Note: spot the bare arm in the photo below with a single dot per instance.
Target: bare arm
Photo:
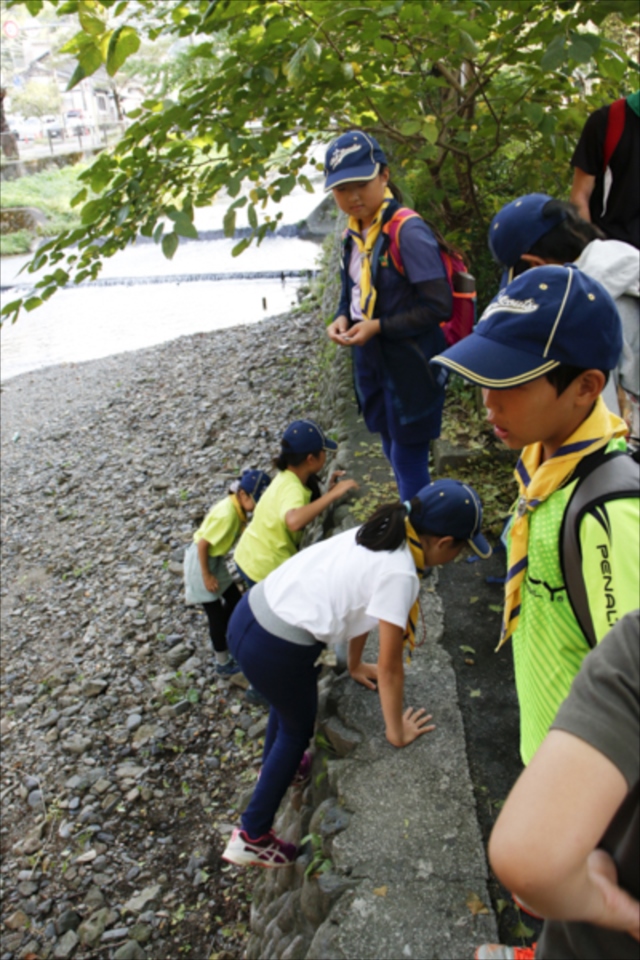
(581, 190)
(208, 579)
(298, 518)
(402, 727)
(364, 673)
(543, 846)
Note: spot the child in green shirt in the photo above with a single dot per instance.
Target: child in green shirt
(207, 579)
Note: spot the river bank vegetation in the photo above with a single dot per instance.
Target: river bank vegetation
(475, 102)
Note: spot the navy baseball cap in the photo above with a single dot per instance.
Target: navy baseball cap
(547, 316)
(352, 156)
(254, 482)
(450, 508)
(305, 436)
(519, 224)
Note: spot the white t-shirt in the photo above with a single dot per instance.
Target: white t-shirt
(337, 589)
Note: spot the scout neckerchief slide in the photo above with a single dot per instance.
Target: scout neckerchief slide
(417, 553)
(537, 481)
(365, 246)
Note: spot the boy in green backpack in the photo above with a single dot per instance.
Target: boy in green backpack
(542, 352)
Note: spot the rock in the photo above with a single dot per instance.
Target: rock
(69, 920)
(130, 951)
(141, 932)
(65, 945)
(17, 921)
(178, 654)
(134, 720)
(93, 688)
(143, 900)
(342, 739)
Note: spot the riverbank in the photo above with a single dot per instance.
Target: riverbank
(123, 752)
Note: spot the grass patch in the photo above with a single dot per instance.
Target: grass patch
(51, 192)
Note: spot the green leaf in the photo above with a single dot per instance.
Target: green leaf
(183, 224)
(521, 931)
(170, 245)
(13, 307)
(229, 222)
(34, 6)
(468, 44)
(90, 21)
(555, 55)
(77, 75)
(79, 197)
(92, 211)
(32, 303)
(409, 127)
(239, 247)
(495, 607)
(580, 51)
(90, 59)
(306, 183)
(252, 216)
(466, 649)
(123, 43)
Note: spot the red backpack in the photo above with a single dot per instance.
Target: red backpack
(463, 285)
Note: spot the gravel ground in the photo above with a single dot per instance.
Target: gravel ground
(123, 753)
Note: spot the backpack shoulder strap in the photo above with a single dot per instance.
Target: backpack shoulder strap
(392, 230)
(602, 478)
(615, 126)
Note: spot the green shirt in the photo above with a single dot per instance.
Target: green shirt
(219, 528)
(548, 645)
(267, 542)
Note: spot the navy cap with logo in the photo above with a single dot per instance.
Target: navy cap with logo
(352, 156)
(547, 316)
(305, 436)
(254, 482)
(450, 508)
(517, 227)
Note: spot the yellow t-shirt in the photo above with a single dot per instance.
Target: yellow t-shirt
(267, 542)
(220, 528)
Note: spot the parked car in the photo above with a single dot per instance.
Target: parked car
(53, 128)
(27, 129)
(76, 123)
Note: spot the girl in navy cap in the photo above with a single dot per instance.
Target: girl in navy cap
(333, 592)
(206, 578)
(293, 500)
(389, 312)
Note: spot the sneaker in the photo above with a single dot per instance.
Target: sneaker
(498, 951)
(252, 696)
(303, 773)
(267, 851)
(228, 669)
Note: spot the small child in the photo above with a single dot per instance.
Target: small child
(207, 580)
(292, 501)
(335, 592)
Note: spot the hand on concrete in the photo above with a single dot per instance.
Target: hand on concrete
(335, 476)
(366, 674)
(414, 724)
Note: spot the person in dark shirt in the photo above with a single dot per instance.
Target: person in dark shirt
(608, 193)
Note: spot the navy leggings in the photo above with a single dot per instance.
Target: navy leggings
(410, 463)
(285, 674)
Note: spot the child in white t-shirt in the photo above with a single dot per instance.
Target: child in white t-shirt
(337, 591)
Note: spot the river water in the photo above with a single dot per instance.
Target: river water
(151, 299)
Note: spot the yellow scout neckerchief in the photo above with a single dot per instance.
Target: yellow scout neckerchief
(417, 553)
(241, 514)
(537, 481)
(365, 246)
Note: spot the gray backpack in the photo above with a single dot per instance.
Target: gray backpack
(602, 477)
